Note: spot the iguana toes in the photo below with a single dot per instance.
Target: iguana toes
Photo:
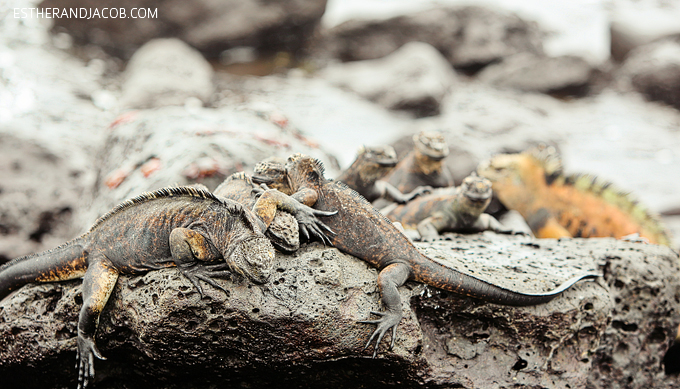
(179, 226)
(424, 166)
(557, 206)
(449, 210)
(363, 232)
(371, 164)
(283, 232)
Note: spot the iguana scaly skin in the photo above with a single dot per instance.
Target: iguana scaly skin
(424, 166)
(371, 164)
(449, 210)
(556, 205)
(283, 231)
(179, 226)
(363, 232)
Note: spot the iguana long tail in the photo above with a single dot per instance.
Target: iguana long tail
(65, 262)
(442, 277)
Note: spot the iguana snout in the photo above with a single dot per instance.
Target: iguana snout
(253, 258)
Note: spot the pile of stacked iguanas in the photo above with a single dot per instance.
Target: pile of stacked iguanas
(234, 229)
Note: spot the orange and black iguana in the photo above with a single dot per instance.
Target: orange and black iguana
(424, 166)
(362, 231)
(457, 209)
(365, 173)
(178, 226)
(555, 205)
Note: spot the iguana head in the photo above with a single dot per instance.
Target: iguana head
(431, 144)
(304, 170)
(534, 167)
(272, 171)
(253, 258)
(476, 192)
(373, 163)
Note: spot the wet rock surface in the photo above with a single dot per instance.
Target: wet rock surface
(427, 77)
(301, 327)
(566, 75)
(469, 37)
(166, 72)
(654, 71)
(209, 26)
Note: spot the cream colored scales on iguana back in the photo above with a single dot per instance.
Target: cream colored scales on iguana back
(556, 205)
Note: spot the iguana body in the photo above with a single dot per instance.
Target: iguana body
(556, 205)
(424, 166)
(449, 210)
(365, 233)
(371, 164)
(178, 226)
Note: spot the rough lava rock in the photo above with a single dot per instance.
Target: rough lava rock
(166, 72)
(414, 78)
(301, 328)
(654, 71)
(149, 149)
(209, 26)
(468, 36)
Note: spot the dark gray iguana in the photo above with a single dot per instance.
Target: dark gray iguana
(180, 226)
(457, 209)
(363, 232)
(372, 164)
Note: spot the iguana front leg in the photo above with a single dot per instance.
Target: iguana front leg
(187, 248)
(271, 200)
(389, 280)
(98, 283)
(486, 222)
(430, 227)
(390, 192)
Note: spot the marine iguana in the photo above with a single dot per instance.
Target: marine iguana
(424, 166)
(556, 205)
(283, 232)
(185, 227)
(371, 164)
(457, 209)
(365, 233)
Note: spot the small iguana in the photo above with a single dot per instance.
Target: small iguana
(424, 166)
(283, 231)
(555, 205)
(362, 231)
(371, 164)
(449, 210)
(185, 227)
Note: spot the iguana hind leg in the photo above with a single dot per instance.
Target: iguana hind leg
(187, 248)
(98, 283)
(389, 280)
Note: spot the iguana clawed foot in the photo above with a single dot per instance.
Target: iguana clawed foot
(87, 350)
(198, 271)
(388, 320)
(310, 226)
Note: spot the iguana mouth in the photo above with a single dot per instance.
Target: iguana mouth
(386, 162)
(478, 197)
